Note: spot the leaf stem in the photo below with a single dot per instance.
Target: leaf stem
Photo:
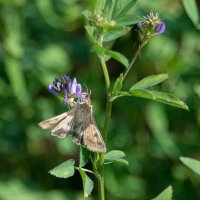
(86, 170)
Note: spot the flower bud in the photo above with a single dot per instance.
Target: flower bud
(151, 26)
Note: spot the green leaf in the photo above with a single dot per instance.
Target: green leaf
(87, 14)
(165, 195)
(118, 83)
(109, 8)
(192, 164)
(114, 33)
(121, 160)
(160, 97)
(90, 31)
(115, 156)
(149, 81)
(64, 170)
(124, 6)
(100, 4)
(84, 156)
(118, 56)
(192, 10)
(129, 20)
(88, 184)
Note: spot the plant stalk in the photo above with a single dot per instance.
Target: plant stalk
(132, 61)
(100, 169)
(102, 156)
(101, 191)
(105, 71)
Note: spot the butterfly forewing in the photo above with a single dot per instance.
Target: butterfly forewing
(64, 127)
(50, 122)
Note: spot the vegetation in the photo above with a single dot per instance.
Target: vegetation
(41, 40)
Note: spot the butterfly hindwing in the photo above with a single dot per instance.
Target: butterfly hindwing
(92, 138)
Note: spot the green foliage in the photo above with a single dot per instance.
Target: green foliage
(192, 164)
(118, 83)
(84, 157)
(192, 10)
(165, 195)
(118, 56)
(42, 40)
(129, 20)
(115, 32)
(87, 183)
(115, 156)
(110, 54)
(149, 81)
(64, 170)
(155, 96)
(160, 97)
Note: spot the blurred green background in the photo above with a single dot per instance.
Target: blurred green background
(42, 39)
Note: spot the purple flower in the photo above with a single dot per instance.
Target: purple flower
(70, 90)
(160, 28)
(151, 26)
(52, 89)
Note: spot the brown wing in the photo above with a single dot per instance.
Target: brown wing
(50, 122)
(78, 126)
(64, 127)
(92, 138)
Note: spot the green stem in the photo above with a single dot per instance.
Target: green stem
(100, 169)
(101, 190)
(105, 71)
(103, 63)
(107, 117)
(102, 156)
(132, 61)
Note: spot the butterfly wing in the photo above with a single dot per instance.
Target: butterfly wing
(92, 138)
(50, 122)
(78, 123)
(64, 127)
